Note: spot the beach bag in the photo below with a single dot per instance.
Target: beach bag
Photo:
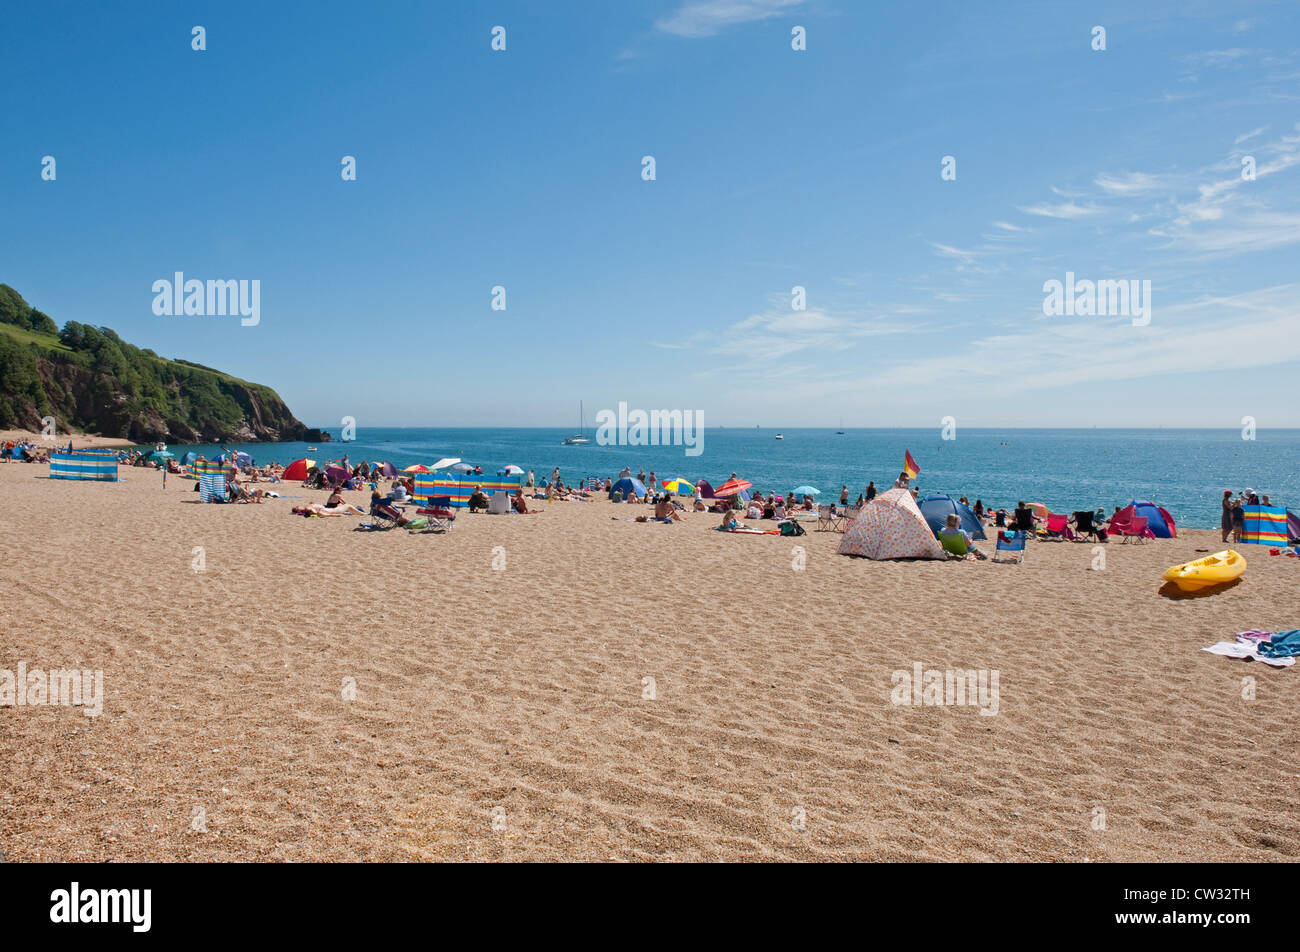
(791, 528)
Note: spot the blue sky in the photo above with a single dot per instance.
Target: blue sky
(775, 168)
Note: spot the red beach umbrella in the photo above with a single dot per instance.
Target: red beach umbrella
(732, 487)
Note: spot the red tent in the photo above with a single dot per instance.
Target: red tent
(297, 470)
(1159, 521)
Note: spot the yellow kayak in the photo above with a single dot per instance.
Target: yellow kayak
(1212, 570)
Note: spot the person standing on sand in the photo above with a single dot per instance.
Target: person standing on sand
(902, 482)
(1225, 520)
(844, 495)
(530, 479)
(871, 490)
(1238, 519)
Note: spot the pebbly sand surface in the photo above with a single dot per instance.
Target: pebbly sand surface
(503, 713)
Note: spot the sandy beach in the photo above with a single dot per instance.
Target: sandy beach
(79, 440)
(504, 713)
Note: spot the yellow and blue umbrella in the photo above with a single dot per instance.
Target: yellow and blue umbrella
(679, 487)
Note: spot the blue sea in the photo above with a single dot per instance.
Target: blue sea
(1186, 471)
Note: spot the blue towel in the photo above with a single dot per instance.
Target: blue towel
(1284, 644)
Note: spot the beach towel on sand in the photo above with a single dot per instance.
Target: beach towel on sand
(1278, 650)
(1285, 644)
(1236, 649)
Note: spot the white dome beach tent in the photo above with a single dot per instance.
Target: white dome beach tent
(891, 527)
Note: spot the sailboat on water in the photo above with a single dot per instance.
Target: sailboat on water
(840, 431)
(578, 439)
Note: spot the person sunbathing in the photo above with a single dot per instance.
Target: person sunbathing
(316, 509)
(520, 504)
(337, 505)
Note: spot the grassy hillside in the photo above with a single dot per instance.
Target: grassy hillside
(89, 379)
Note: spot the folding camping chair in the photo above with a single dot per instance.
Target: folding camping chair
(1010, 542)
(385, 516)
(825, 518)
(846, 517)
(439, 513)
(1135, 530)
(1023, 522)
(1084, 526)
(1058, 527)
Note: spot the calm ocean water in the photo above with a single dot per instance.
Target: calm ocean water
(1184, 470)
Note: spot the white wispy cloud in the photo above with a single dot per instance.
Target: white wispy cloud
(709, 17)
(1216, 58)
(779, 332)
(1249, 135)
(1063, 210)
(1128, 183)
(1182, 338)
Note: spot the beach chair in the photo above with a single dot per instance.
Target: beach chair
(954, 542)
(1084, 526)
(1023, 522)
(846, 517)
(1058, 527)
(1134, 530)
(499, 504)
(439, 513)
(825, 518)
(1010, 548)
(385, 516)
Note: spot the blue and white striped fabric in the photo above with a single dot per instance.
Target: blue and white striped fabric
(94, 465)
(212, 487)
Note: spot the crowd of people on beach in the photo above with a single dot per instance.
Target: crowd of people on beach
(23, 451)
(666, 506)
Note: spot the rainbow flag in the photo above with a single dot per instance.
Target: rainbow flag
(1264, 525)
(910, 465)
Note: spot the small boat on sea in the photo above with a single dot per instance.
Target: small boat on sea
(1215, 569)
(578, 439)
(780, 437)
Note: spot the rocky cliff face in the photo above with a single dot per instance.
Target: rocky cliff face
(89, 379)
(86, 399)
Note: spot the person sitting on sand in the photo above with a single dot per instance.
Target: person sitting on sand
(477, 500)
(520, 504)
(729, 521)
(665, 511)
(902, 482)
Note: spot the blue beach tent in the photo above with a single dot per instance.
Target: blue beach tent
(1159, 521)
(634, 487)
(936, 507)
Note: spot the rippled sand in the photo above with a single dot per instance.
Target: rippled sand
(506, 714)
